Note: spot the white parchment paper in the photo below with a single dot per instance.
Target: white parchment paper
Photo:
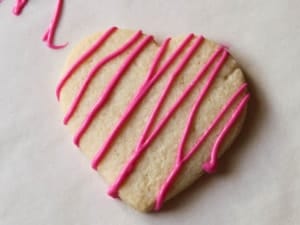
(45, 180)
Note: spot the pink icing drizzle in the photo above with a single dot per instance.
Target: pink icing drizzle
(95, 70)
(19, 6)
(83, 58)
(110, 87)
(50, 33)
(209, 166)
(152, 77)
(143, 91)
(141, 146)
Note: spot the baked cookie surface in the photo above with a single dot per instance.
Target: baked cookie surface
(152, 117)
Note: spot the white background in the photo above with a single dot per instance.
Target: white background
(45, 180)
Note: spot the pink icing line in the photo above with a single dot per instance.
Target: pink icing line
(19, 6)
(113, 83)
(129, 167)
(94, 72)
(175, 171)
(50, 33)
(83, 58)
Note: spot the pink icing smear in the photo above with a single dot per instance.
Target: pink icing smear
(136, 44)
(50, 33)
(19, 6)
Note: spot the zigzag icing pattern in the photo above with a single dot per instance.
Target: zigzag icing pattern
(215, 63)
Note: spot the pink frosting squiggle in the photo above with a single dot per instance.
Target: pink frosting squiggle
(19, 6)
(50, 33)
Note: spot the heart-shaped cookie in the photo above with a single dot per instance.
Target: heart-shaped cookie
(152, 117)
